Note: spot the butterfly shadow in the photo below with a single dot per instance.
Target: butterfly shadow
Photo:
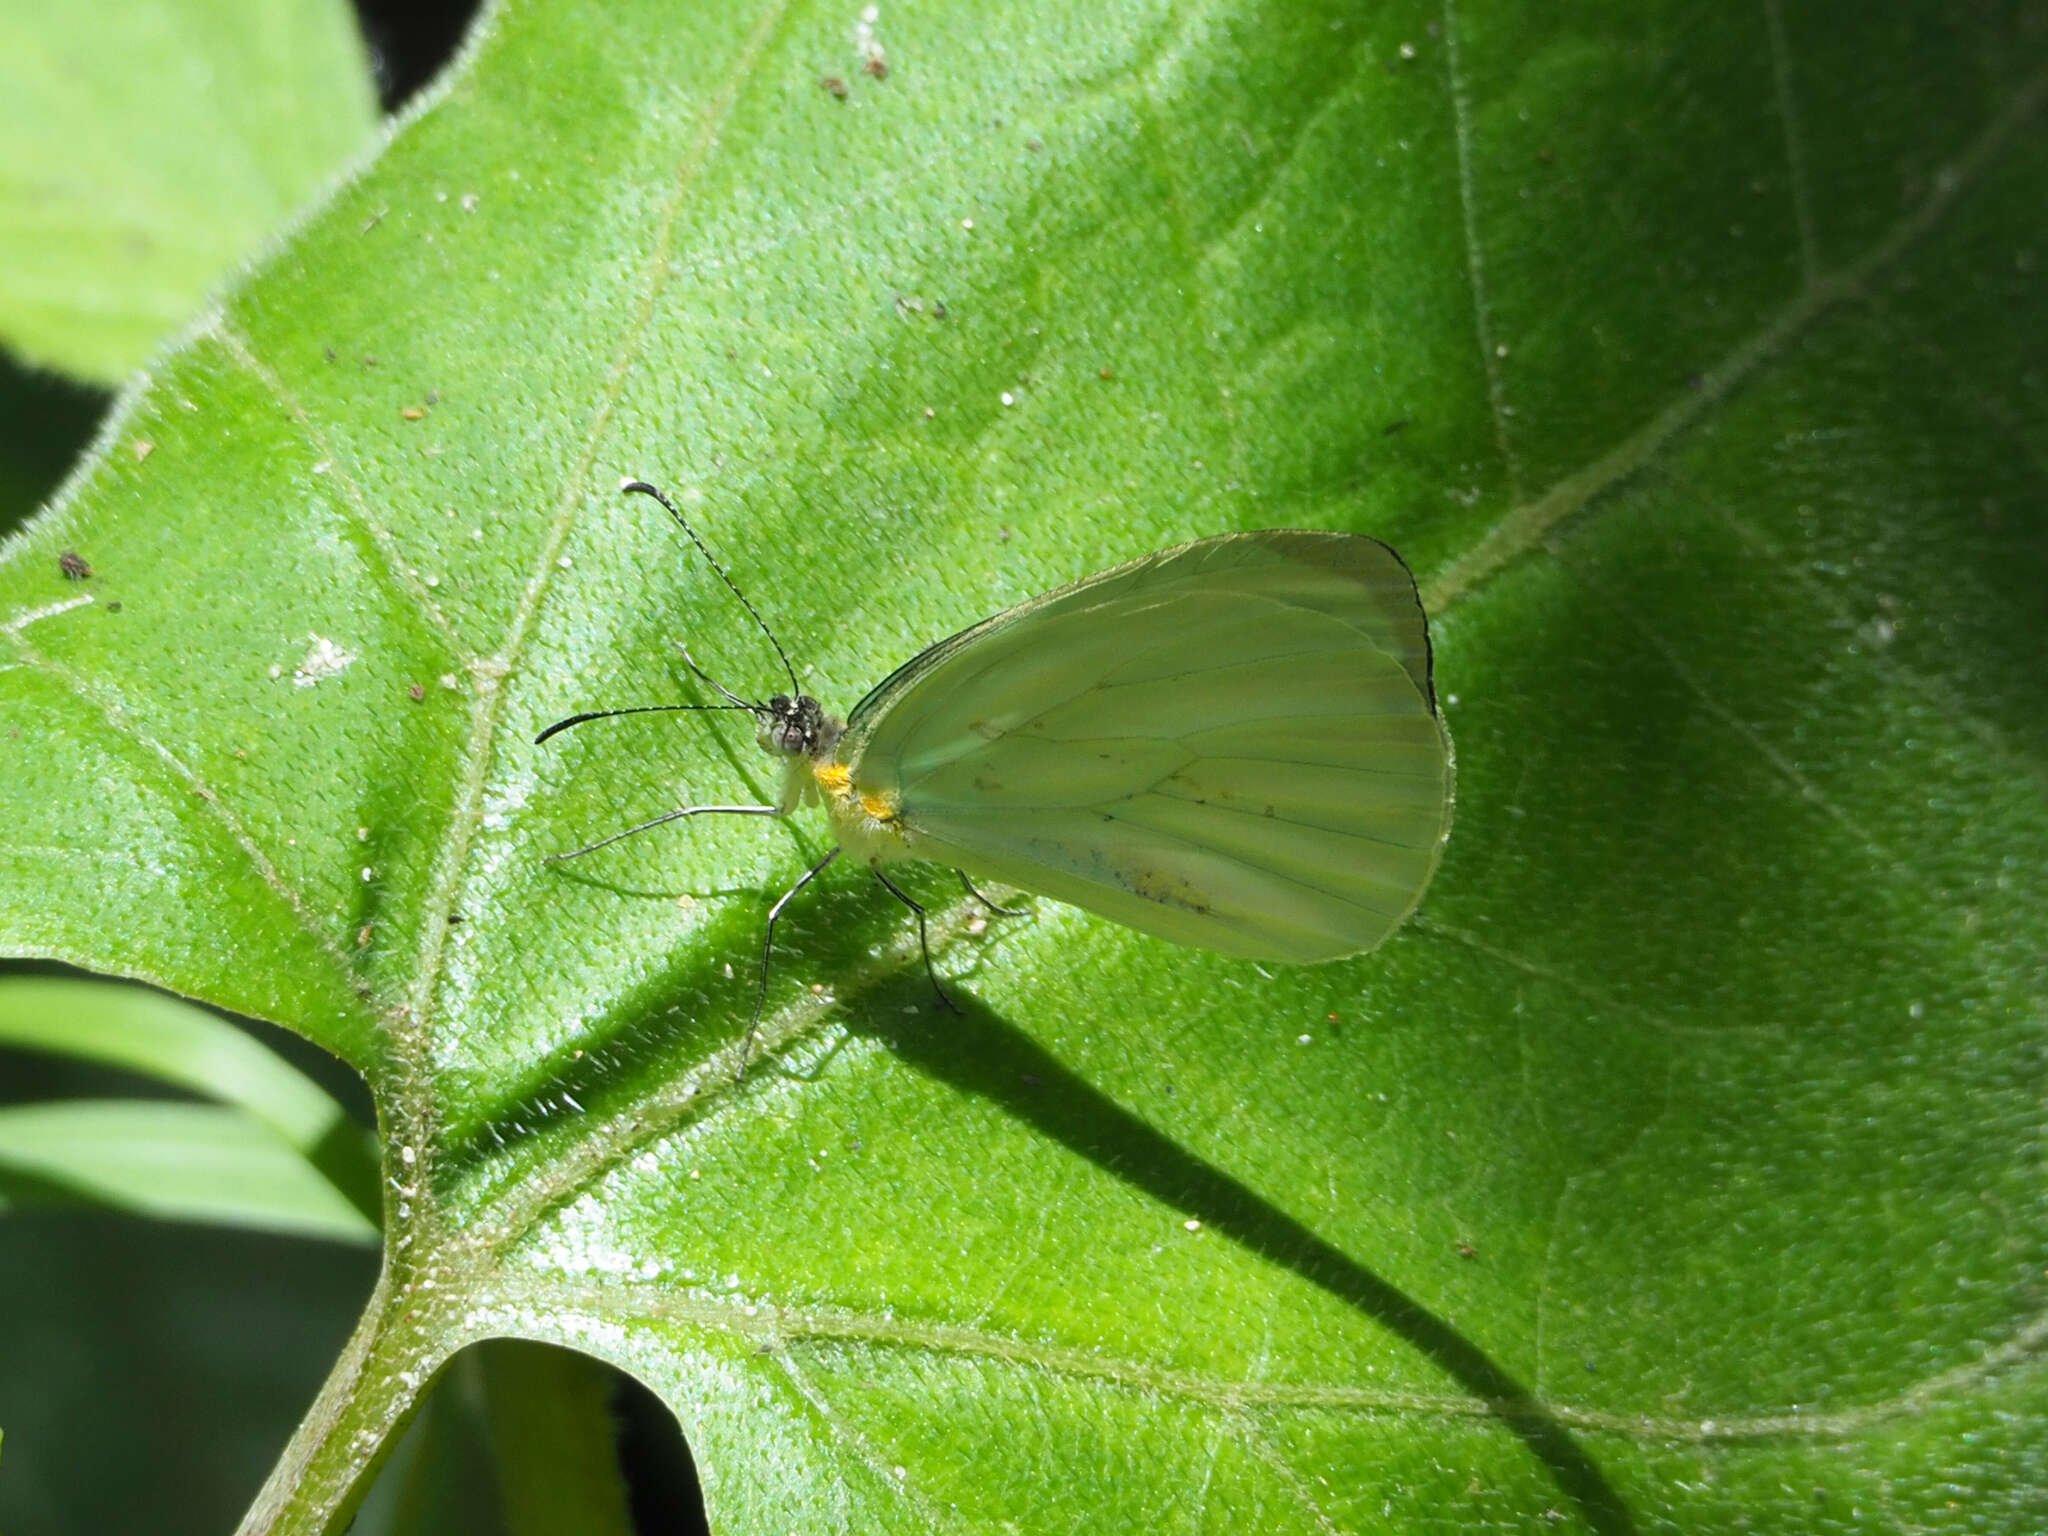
(982, 1053)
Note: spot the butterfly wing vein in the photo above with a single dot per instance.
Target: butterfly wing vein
(1233, 744)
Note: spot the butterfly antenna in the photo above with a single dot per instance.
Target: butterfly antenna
(705, 677)
(638, 709)
(641, 487)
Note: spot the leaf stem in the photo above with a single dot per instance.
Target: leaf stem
(370, 1396)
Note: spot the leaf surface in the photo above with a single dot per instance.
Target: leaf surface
(145, 150)
(185, 1162)
(1679, 1167)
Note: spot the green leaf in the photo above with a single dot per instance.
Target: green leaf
(1679, 1168)
(515, 1439)
(551, 1427)
(147, 149)
(165, 1038)
(185, 1162)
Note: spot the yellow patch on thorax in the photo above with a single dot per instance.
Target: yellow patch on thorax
(867, 822)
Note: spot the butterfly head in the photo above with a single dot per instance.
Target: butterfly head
(796, 727)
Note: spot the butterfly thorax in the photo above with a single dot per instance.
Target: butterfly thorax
(807, 739)
(798, 730)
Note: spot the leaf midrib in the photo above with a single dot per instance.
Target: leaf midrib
(775, 1324)
(446, 883)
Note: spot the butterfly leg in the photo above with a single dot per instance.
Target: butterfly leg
(923, 944)
(663, 820)
(999, 911)
(767, 945)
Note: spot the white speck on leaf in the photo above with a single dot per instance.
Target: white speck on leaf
(324, 659)
(866, 46)
(500, 809)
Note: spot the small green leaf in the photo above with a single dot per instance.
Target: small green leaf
(172, 1041)
(147, 149)
(184, 1162)
(515, 1439)
(552, 1433)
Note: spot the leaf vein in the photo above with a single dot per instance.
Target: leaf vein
(177, 776)
(392, 565)
(1199, 302)
(1527, 525)
(446, 880)
(775, 1325)
(1475, 258)
(847, 1435)
(1795, 153)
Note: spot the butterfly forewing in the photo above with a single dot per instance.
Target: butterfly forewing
(1232, 744)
